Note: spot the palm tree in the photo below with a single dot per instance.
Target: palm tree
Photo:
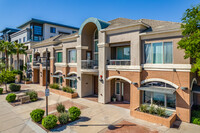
(7, 48)
(20, 48)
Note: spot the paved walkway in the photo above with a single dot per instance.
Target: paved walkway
(95, 118)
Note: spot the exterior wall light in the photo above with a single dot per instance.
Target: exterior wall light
(184, 88)
(63, 75)
(134, 83)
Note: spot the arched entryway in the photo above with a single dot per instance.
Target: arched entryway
(119, 89)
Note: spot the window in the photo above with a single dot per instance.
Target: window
(30, 58)
(52, 29)
(24, 39)
(96, 41)
(72, 56)
(160, 99)
(123, 53)
(158, 53)
(37, 30)
(59, 57)
(73, 83)
(20, 40)
(117, 88)
(74, 31)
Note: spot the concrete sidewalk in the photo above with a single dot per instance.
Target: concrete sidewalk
(95, 118)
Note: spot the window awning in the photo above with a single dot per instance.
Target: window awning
(70, 78)
(56, 76)
(165, 90)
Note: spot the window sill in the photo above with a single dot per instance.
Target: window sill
(72, 64)
(167, 67)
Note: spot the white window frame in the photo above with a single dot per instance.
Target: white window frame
(152, 52)
(69, 55)
(165, 102)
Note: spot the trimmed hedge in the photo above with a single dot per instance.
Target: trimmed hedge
(49, 122)
(11, 97)
(1, 90)
(14, 87)
(33, 95)
(37, 115)
(74, 113)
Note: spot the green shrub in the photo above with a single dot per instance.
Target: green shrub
(74, 113)
(37, 115)
(68, 89)
(49, 122)
(160, 111)
(14, 87)
(1, 90)
(33, 95)
(143, 108)
(196, 120)
(60, 108)
(196, 113)
(11, 97)
(63, 118)
(54, 86)
(152, 109)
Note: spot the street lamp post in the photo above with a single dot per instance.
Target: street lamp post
(46, 90)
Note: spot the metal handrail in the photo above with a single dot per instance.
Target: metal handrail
(89, 64)
(119, 62)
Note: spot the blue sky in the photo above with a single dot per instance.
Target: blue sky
(74, 12)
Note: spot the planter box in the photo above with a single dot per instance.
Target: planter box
(60, 92)
(26, 82)
(154, 119)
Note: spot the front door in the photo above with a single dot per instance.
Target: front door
(119, 91)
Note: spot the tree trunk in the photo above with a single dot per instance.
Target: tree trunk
(6, 53)
(6, 87)
(17, 60)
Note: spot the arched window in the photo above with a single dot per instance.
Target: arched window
(96, 41)
(159, 93)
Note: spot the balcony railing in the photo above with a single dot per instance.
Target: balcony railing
(46, 63)
(119, 62)
(89, 64)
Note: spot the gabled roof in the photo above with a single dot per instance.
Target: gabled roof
(47, 22)
(7, 29)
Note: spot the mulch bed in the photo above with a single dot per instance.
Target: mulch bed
(67, 105)
(128, 127)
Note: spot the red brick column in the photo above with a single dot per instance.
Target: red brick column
(51, 70)
(64, 73)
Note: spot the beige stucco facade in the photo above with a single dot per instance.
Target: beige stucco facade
(133, 75)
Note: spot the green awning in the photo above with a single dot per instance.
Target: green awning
(165, 90)
(56, 76)
(70, 78)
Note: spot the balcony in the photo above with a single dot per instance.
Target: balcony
(89, 64)
(44, 63)
(119, 62)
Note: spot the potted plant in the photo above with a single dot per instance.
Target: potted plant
(114, 98)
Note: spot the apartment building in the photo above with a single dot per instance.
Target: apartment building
(34, 31)
(135, 60)
(5, 35)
